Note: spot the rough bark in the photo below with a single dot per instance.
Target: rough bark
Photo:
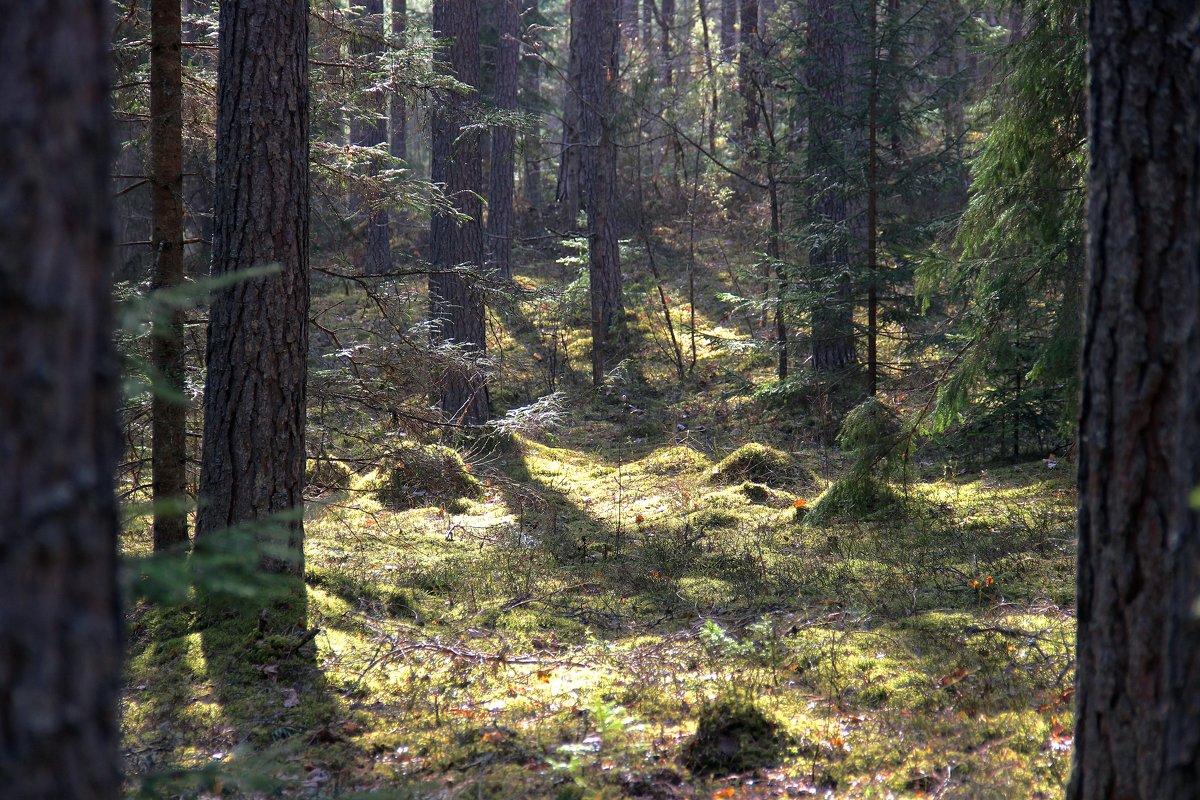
(500, 225)
(252, 458)
(369, 129)
(398, 143)
(1137, 722)
(594, 41)
(168, 411)
(832, 318)
(59, 619)
(455, 303)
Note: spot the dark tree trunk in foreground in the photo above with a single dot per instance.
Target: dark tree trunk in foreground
(370, 130)
(398, 144)
(59, 621)
(168, 411)
(594, 39)
(500, 182)
(832, 317)
(1137, 722)
(252, 463)
(455, 304)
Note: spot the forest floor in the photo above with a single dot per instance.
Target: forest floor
(561, 633)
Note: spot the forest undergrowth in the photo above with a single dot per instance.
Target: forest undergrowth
(558, 624)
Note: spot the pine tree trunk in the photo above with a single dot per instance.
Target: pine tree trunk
(594, 39)
(747, 70)
(500, 182)
(666, 25)
(569, 161)
(729, 20)
(1137, 722)
(252, 459)
(832, 317)
(531, 76)
(455, 304)
(168, 411)
(398, 143)
(370, 130)
(59, 619)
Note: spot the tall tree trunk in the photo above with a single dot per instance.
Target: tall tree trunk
(369, 129)
(666, 26)
(569, 162)
(872, 218)
(629, 20)
(594, 39)
(59, 618)
(168, 410)
(531, 149)
(455, 303)
(398, 143)
(748, 70)
(500, 182)
(252, 458)
(1137, 721)
(729, 20)
(832, 316)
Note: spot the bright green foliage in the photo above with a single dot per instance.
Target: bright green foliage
(1017, 260)
(870, 432)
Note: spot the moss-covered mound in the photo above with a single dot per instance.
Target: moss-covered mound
(733, 735)
(423, 475)
(754, 462)
(673, 460)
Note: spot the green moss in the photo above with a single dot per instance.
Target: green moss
(425, 475)
(754, 462)
(673, 461)
(733, 735)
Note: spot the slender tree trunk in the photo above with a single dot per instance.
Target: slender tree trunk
(168, 409)
(59, 619)
(500, 184)
(456, 305)
(252, 460)
(370, 130)
(594, 39)
(569, 163)
(747, 71)
(729, 20)
(832, 318)
(710, 72)
(531, 77)
(666, 27)
(398, 144)
(1137, 721)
